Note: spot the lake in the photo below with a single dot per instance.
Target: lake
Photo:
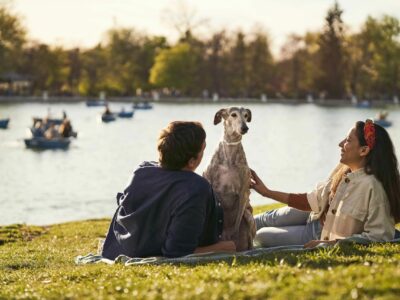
(292, 147)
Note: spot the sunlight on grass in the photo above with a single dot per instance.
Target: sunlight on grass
(38, 262)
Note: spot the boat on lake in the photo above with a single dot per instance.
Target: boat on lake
(383, 123)
(93, 103)
(40, 125)
(125, 114)
(37, 132)
(106, 118)
(381, 119)
(363, 104)
(4, 123)
(48, 120)
(142, 105)
(43, 143)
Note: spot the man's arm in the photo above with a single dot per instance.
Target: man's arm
(222, 246)
(186, 227)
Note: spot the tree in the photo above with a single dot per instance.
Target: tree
(12, 39)
(383, 47)
(130, 56)
(374, 58)
(46, 67)
(297, 70)
(123, 48)
(95, 66)
(261, 65)
(331, 55)
(182, 18)
(74, 66)
(216, 63)
(238, 67)
(146, 59)
(176, 68)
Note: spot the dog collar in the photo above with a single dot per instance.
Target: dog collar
(232, 143)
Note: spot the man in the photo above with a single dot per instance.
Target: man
(168, 209)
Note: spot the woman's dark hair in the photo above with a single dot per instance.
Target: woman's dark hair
(381, 161)
(179, 142)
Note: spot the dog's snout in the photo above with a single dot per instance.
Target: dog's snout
(244, 129)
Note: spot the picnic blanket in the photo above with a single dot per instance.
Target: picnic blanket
(204, 258)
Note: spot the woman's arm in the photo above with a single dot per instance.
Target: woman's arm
(259, 186)
(298, 201)
(379, 226)
(222, 246)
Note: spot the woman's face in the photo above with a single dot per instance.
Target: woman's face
(351, 151)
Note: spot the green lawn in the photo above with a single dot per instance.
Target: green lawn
(38, 262)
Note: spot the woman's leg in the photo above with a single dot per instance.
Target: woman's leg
(287, 235)
(281, 217)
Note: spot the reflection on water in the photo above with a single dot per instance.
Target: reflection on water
(290, 147)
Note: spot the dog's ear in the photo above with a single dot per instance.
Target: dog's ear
(248, 119)
(218, 116)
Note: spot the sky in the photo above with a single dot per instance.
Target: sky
(83, 23)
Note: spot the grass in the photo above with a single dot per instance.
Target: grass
(38, 262)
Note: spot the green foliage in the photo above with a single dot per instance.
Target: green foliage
(238, 67)
(331, 61)
(175, 68)
(121, 66)
(382, 41)
(12, 39)
(331, 54)
(94, 71)
(298, 70)
(216, 63)
(130, 57)
(261, 66)
(42, 266)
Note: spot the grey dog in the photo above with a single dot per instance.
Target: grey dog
(229, 176)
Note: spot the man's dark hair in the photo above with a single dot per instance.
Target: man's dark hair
(179, 142)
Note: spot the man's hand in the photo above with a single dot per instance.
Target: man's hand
(314, 243)
(222, 246)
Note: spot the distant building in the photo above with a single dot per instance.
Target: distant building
(14, 84)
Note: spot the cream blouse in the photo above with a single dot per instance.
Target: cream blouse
(360, 207)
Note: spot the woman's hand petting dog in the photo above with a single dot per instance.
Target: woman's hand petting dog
(257, 184)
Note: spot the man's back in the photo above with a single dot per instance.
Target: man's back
(163, 212)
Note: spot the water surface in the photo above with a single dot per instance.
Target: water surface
(291, 148)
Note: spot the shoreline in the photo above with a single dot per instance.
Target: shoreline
(260, 207)
(196, 100)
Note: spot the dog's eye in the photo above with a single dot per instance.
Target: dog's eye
(234, 115)
(245, 116)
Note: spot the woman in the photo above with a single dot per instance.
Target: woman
(168, 210)
(361, 197)
(65, 129)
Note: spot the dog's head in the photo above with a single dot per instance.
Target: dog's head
(235, 119)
